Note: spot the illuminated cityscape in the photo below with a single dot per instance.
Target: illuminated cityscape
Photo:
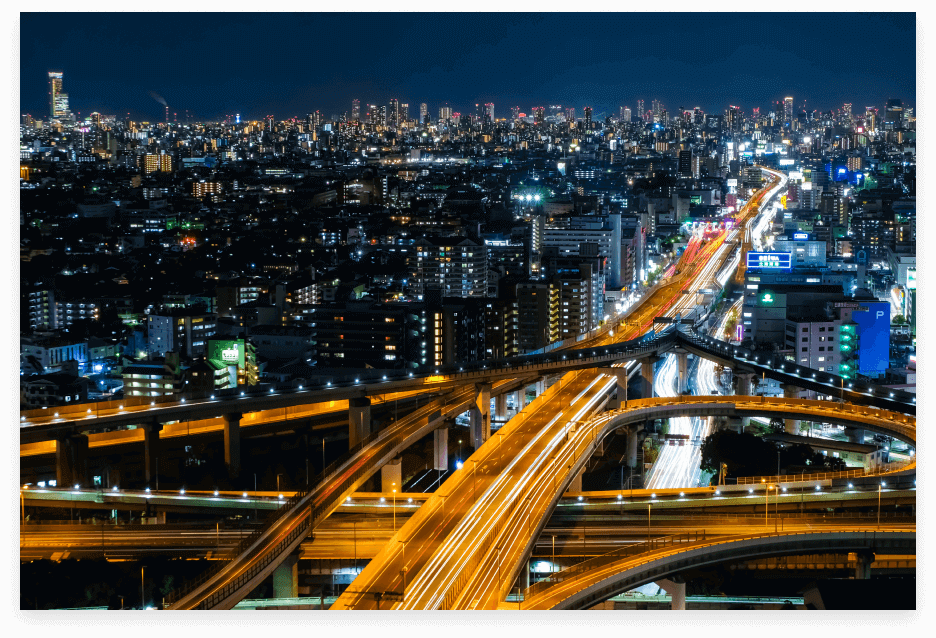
(371, 332)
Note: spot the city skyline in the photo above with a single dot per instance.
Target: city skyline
(444, 64)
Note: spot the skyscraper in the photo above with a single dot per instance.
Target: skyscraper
(893, 114)
(787, 110)
(847, 113)
(587, 119)
(423, 113)
(640, 109)
(356, 110)
(445, 113)
(539, 115)
(58, 101)
(625, 114)
(393, 117)
(489, 111)
(515, 112)
(404, 114)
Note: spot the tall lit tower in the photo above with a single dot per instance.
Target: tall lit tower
(356, 110)
(423, 112)
(587, 119)
(58, 101)
(489, 111)
(787, 110)
(640, 109)
(393, 117)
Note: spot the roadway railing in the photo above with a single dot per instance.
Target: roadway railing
(822, 476)
(652, 545)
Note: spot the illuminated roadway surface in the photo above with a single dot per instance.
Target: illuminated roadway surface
(466, 556)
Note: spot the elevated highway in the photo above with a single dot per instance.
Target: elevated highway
(598, 579)
(514, 506)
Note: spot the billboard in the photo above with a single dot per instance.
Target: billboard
(872, 319)
(227, 352)
(779, 261)
(911, 278)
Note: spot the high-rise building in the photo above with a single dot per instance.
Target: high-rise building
(515, 113)
(539, 115)
(656, 107)
(625, 114)
(733, 119)
(423, 113)
(893, 114)
(847, 113)
(55, 91)
(787, 110)
(382, 116)
(570, 114)
(153, 163)
(445, 113)
(685, 163)
(489, 112)
(393, 116)
(356, 110)
(640, 109)
(404, 114)
(587, 118)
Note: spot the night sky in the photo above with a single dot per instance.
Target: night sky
(290, 64)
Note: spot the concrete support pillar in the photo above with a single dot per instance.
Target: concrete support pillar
(855, 435)
(232, 455)
(633, 444)
(521, 398)
(863, 565)
(359, 420)
(682, 360)
(151, 451)
(646, 372)
(481, 415)
(440, 449)
(540, 386)
(391, 476)
(791, 426)
(500, 407)
(675, 587)
(71, 460)
(619, 373)
(745, 383)
(286, 578)
(525, 576)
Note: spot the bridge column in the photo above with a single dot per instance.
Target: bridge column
(675, 587)
(71, 460)
(619, 373)
(481, 415)
(633, 444)
(863, 565)
(791, 426)
(682, 360)
(646, 371)
(745, 385)
(440, 448)
(151, 450)
(500, 407)
(391, 476)
(521, 398)
(286, 578)
(359, 420)
(540, 386)
(855, 435)
(232, 455)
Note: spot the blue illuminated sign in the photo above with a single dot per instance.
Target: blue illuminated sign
(779, 261)
(801, 236)
(873, 332)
